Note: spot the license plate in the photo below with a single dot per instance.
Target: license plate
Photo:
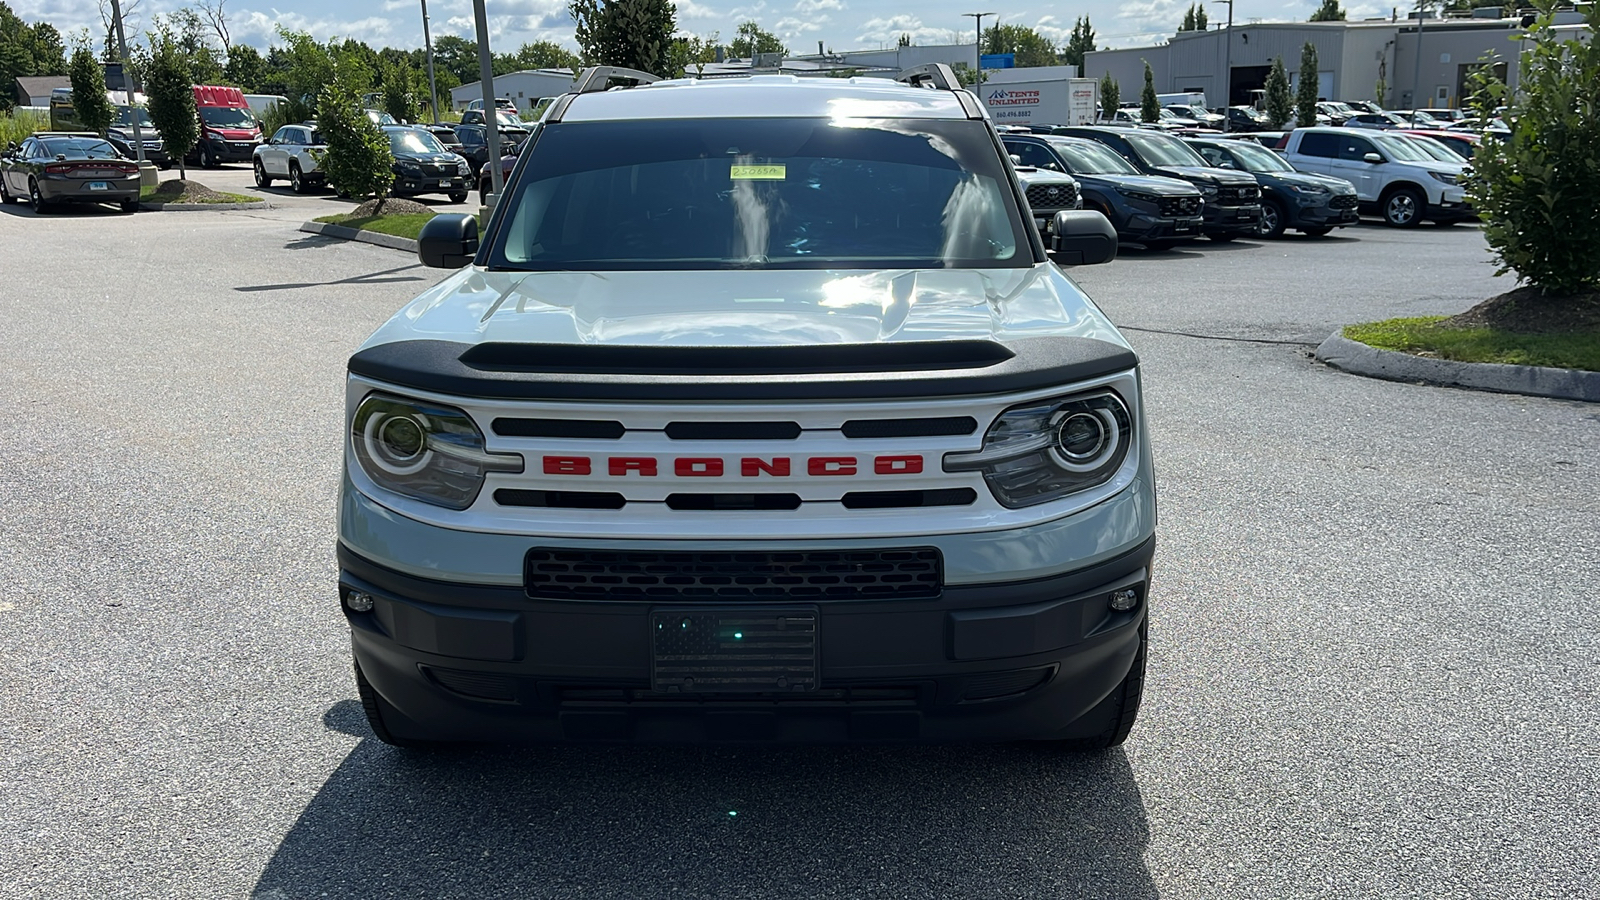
(733, 650)
(99, 186)
(444, 183)
(1182, 227)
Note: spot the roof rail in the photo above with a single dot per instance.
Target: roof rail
(598, 78)
(933, 75)
(941, 77)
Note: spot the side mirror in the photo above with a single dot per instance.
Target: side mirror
(1082, 238)
(1016, 160)
(1373, 158)
(448, 241)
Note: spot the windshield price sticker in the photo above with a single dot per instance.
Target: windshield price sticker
(760, 173)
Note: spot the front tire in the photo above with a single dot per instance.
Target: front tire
(1319, 231)
(1272, 221)
(458, 197)
(1119, 710)
(1403, 208)
(263, 180)
(1160, 246)
(1223, 237)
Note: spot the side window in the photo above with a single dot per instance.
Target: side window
(1355, 148)
(1325, 145)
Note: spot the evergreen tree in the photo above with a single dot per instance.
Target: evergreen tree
(1329, 11)
(170, 86)
(1149, 107)
(1079, 43)
(1110, 96)
(1305, 113)
(1188, 20)
(89, 101)
(1200, 20)
(1280, 106)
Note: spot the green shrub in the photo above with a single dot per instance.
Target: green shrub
(19, 123)
(358, 160)
(1536, 189)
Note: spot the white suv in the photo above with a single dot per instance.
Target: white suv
(291, 153)
(1393, 177)
(760, 413)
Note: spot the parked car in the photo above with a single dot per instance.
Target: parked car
(54, 167)
(423, 166)
(1461, 143)
(1154, 211)
(1393, 178)
(1428, 145)
(1313, 204)
(1232, 199)
(1169, 119)
(155, 149)
(1423, 118)
(503, 104)
(1048, 191)
(229, 130)
(292, 153)
(446, 134)
(1121, 117)
(1204, 118)
(1363, 106)
(508, 124)
(1245, 118)
(381, 118)
(1335, 111)
(474, 140)
(1383, 121)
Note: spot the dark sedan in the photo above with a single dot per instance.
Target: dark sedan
(53, 168)
(1233, 199)
(1155, 212)
(423, 166)
(1313, 204)
(475, 144)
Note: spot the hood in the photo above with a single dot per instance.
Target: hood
(1150, 184)
(235, 134)
(748, 308)
(403, 158)
(1208, 174)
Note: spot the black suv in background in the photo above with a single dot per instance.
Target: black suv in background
(1233, 199)
(1314, 204)
(1155, 212)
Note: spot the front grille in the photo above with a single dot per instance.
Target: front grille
(1180, 206)
(1239, 196)
(916, 573)
(1344, 201)
(1052, 196)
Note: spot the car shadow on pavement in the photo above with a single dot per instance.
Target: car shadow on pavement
(368, 278)
(976, 821)
(63, 211)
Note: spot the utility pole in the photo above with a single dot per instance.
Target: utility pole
(977, 46)
(1227, 70)
(427, 41)
(491, 113)
(1416, 70)
(128, 82)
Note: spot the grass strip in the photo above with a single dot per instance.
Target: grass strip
(1425, 337)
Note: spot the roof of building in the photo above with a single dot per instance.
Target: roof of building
(42, 85)
(768, 96)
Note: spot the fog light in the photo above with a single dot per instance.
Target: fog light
(359, 601)
(1124, 600)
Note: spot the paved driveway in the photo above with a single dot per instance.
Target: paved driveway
(1373, 671)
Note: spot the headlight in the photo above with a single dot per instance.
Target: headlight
(1046, 450)
(462, 167)
(424, 451)
(214, 136)
(1134, 194)
(1207, 190)
(1445, 177)
(1313, 189)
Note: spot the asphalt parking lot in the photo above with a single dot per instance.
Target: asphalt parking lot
(1373, 671)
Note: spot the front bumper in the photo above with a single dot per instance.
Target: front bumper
(228, 151)
(1142, 227)
(992, 662)
(1450, 211)
(1324, 216)
(1231, 219)
(453, 184)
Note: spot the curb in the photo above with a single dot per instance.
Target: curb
(393, 242)
(1357, 358)
(198, 207)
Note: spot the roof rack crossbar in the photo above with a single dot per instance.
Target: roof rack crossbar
(598, 78)
(933, 75)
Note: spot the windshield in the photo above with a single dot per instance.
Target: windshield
(1402, 148)
(381, 118)
(1092, 159)
(227, 117)
(762, 193)
(413, 142)
(125, 117)
(1256, 158)
(80, 148)
(1158, 150)
(1433, 148)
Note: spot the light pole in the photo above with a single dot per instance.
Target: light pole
(427, 41)
(1227, 70)
(491, 113)
(977, 24)
(1416, 69)
(128, 83)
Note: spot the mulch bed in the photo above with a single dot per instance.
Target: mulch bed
(180, 191)
(1530, 311)
(394, 206)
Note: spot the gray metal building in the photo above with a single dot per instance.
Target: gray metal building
(1353, 58)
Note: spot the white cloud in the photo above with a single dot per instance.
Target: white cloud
(811, 6)
(792, 27)
(689, 9)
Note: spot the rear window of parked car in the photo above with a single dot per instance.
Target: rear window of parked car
(79, 148)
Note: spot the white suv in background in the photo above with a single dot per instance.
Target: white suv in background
(291, 153)
(1393, 177)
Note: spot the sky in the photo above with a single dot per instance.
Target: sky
(839, 24)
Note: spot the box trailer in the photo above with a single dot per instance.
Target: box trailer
(1054, 101)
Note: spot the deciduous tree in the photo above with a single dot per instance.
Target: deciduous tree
(1329, 11)
(634, 34)
(169, 85)
(89, 99)
(751, 39)
(358, 160)
(1029, 47)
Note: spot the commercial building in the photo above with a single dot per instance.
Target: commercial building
(1356, 60)
(525, 89)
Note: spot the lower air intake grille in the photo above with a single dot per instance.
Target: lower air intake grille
(916, 573)
(1345, 201)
